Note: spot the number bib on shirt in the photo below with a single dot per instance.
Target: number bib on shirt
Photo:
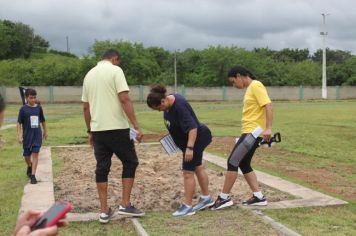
(34, 122)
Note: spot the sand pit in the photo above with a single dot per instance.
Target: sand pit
(158, 185)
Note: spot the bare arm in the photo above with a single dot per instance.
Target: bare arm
(45, 130)
(269, 119)
(192, 136)
(127, 106)
(87, 118)
(19, 132)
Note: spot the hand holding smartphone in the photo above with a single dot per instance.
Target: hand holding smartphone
(53, 215)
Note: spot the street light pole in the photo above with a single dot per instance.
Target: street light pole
(324, 92)
(175, 71)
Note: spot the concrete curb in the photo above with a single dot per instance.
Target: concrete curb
(139, 229)
(7, 127)
(276, 225)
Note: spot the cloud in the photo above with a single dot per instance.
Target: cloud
(174, 24)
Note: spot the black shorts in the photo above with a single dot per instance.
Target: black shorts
(201, 143)
(106, 143)
(245, 163)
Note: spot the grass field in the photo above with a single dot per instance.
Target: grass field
(317, 151)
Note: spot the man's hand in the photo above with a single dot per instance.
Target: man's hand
(90, 139)
(139, 134)
(267, 135)
(45, 135)
(188, 155)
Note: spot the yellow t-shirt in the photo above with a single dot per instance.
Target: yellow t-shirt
(101, 87)
(253, 112)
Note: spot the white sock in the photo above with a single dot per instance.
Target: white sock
(258, 194)
(224, 195)
(187, 205)
(205, 196)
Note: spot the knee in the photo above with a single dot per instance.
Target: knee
(246, 169)
(101, 174)
(129, 169)
(188, 174)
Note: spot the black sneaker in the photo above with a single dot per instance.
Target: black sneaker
(33, 179)
(255, 201)
(221, 203)
(105, 217)
(130, 211)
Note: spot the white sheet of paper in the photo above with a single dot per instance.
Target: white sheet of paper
(168, 144)
(133, 134)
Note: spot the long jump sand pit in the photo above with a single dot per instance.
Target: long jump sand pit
(158, 184)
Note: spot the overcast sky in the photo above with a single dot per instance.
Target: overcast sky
(181, 24)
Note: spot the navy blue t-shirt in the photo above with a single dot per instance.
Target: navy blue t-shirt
(180, 119)
(31, 118)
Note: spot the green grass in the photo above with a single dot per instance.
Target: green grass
(317, 135)
(234, 221)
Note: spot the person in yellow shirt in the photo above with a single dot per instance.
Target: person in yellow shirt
(257, 112)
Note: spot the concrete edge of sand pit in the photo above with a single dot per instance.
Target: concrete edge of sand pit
(40, 196)
(276, 225)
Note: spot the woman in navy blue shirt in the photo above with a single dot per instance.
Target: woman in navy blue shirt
(192, 137)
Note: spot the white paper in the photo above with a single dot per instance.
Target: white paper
(133, 134)
(34, 122)
(168, 144)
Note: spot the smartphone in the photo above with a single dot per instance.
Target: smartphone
(52, 215)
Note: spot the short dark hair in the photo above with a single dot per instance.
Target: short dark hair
(30, 92)
(2, 104)
(155, 96)
(110, 53)
(234, 71)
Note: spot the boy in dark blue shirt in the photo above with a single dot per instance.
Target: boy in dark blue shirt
(29, 132)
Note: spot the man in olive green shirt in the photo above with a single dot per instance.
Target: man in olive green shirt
(107, 111)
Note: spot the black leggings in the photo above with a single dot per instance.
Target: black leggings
(106, 143)
(245, 164)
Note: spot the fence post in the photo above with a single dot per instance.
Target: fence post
(3, 92)
(141, 97)
(337, 92)
(224, 93)
(50, 94)
(183, 90)
(301, 92)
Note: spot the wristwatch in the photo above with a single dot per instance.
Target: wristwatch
(190, 148)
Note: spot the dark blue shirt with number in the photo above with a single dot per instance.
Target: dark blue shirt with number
(31, 118)
(180, 119)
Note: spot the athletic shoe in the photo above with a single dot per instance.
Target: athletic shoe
(105, 218)
(130, 211)
(222, 203)
(184, 210)
(33, 179)
(203, 203)
(255, 201)
(29, 171)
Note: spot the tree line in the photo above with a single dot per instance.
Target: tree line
(26, 59)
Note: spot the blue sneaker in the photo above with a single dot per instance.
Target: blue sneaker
(184, 211)
(203, 203)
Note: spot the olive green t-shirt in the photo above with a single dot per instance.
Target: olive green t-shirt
(101, 87)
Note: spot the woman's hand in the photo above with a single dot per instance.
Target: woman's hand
(188, 155)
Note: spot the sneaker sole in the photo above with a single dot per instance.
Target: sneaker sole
(104, 221)
(257, 204)
(228, 204)
(204, 207)
(189, 214)
(129, 214)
